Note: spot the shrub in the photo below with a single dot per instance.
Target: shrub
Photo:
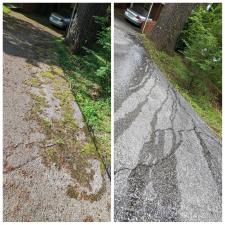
(203, 39)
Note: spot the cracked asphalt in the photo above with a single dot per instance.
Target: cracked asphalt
(168, 162)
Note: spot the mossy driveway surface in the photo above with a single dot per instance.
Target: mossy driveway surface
(168, 162)
(51, 169)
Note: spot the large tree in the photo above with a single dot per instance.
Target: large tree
(170, 24)
(83, 28)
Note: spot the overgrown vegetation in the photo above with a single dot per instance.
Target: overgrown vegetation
(177, 71)
(196, 68)
(89, 74)
(202, 48)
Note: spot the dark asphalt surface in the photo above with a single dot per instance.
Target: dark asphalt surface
(168, 162)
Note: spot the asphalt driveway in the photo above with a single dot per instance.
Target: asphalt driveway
(168, 162)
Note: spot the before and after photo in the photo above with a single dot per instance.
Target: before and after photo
(112, 112)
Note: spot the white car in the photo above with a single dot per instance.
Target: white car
(61, 20)
(136, 16)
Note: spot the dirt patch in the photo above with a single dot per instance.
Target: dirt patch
(88, 219)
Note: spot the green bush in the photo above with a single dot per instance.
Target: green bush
(203, 40)
(100, 56)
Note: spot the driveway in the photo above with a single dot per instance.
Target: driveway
(52, 171)
(168, 162)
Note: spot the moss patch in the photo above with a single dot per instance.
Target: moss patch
(46, 123)
(48, 74)
(39, 104)
(61, 147)
(74, 192)
(34, 82)
(89, 149)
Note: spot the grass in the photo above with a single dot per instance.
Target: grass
(177, 72)
(89, 93)
(6, 9)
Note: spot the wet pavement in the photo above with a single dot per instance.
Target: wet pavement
(168, 162)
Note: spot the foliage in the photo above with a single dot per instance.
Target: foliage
(203, 40)
(87, 88)
(6, 9)
(206, 110)
(89, 74)
(196, 70)
(101, 57)
(177, 72)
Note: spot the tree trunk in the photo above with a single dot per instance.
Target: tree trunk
(83, 28)
(170, 24)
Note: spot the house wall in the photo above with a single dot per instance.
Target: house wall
(122, 5)
(156, 10)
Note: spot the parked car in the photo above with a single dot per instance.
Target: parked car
(136, 15)
(60, 19)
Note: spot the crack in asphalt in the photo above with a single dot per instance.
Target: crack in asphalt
(219, 143)
(212, 163)
(135, 88)
(139, 176)
(123, 124)
(24, 164)
(211, 160)
(121, 169)
(145, 79)
(153, 188)
(150, 156)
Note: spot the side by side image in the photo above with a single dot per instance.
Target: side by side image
(112, 112)
(57, 120)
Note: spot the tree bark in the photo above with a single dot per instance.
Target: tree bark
(83, 29)
(170, 24)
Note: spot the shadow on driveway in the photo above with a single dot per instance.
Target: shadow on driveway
(26, 40)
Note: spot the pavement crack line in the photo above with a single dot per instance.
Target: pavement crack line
(214, 139)
(23, 164)
(121, 169)
(138, 177)
(155, 116)
(143, 81)
(212, 162)
(131, 116)
(210, 159)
